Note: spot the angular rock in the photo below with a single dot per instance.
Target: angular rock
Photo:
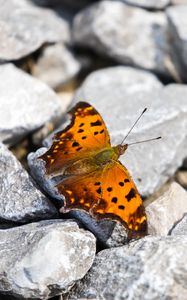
(177, 29)
(181, 227)
(150, 4)
(34, 27)
(20, 200)
(44, 259)
(127, 34)
(151, 268)
(120, 101)
(56, 66)
(167, 210)
(26, 104)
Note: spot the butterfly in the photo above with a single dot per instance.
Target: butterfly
(94, 180)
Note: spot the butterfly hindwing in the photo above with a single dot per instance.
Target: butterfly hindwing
(85, 134)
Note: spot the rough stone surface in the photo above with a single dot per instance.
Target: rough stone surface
(120, 101)
(168, 209)
(20, 200)
(181, 227)
(34, 27)
(44, 259)
(178, 37)
(132, 36)
(151, 268)
(150, 4)
(26, 104)
(56, 66)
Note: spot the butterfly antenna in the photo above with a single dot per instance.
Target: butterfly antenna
(133, 125)
(144, 141)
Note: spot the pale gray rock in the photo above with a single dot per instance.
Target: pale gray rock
(44, 259)
(167, 210)
(26, 104)
(181, 227)
(20, 200)
(151, 268)
(56, 65)
(177, 29)
(120, 100)
(178, 2)
(127, 34)
(34, 27)
(149, 4)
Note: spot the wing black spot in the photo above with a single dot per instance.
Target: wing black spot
(114, 199)
(97, 183)
(121, 207)
(97, 123)
(75, 144)
(78, 149)
(121, 183)
(102, 131)
(82, 124)
(65, 152)
(109, 189)
(96, 132)
(126, 180)
(130, 195)
(98, 190)
(84, 137)
(80, 130)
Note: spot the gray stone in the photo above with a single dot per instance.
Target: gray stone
(150, 4)
(167, 210)
(150, 268)
(69, 3)
(177, 29)
(181, 227)
(20, 200)
(127, 34)
(120, 97)
(178, 2)
(34, 27)
(26, 104)
(56, 66)
(44, 259)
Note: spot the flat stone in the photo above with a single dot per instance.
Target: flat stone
(56, 66)
(167, 210)
(127, 34)
(34, 27)
(20, 200)
(149, 4)
(44, 259)
(178, 36)
(150, 268)
(26, 104)
(120, 97)
(181, 227)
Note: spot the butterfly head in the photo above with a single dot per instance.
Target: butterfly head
(120, 149)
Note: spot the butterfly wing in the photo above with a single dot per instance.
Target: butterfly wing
(107, 193)
(120, 199)
(85, 134)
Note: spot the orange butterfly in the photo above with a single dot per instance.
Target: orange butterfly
(94, 179)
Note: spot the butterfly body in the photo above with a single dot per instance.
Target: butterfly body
(94, 179)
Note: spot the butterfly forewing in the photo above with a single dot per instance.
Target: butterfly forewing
(85, 134)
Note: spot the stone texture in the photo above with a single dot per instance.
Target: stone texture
(151, 268)
(120, 97)
(127, 34)
(150, 4)
(56, 66)
(44, 259)
(20, 200)
(178, 37)
(34, 27)
(181, 227)
(167, 210)
(26, 104)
